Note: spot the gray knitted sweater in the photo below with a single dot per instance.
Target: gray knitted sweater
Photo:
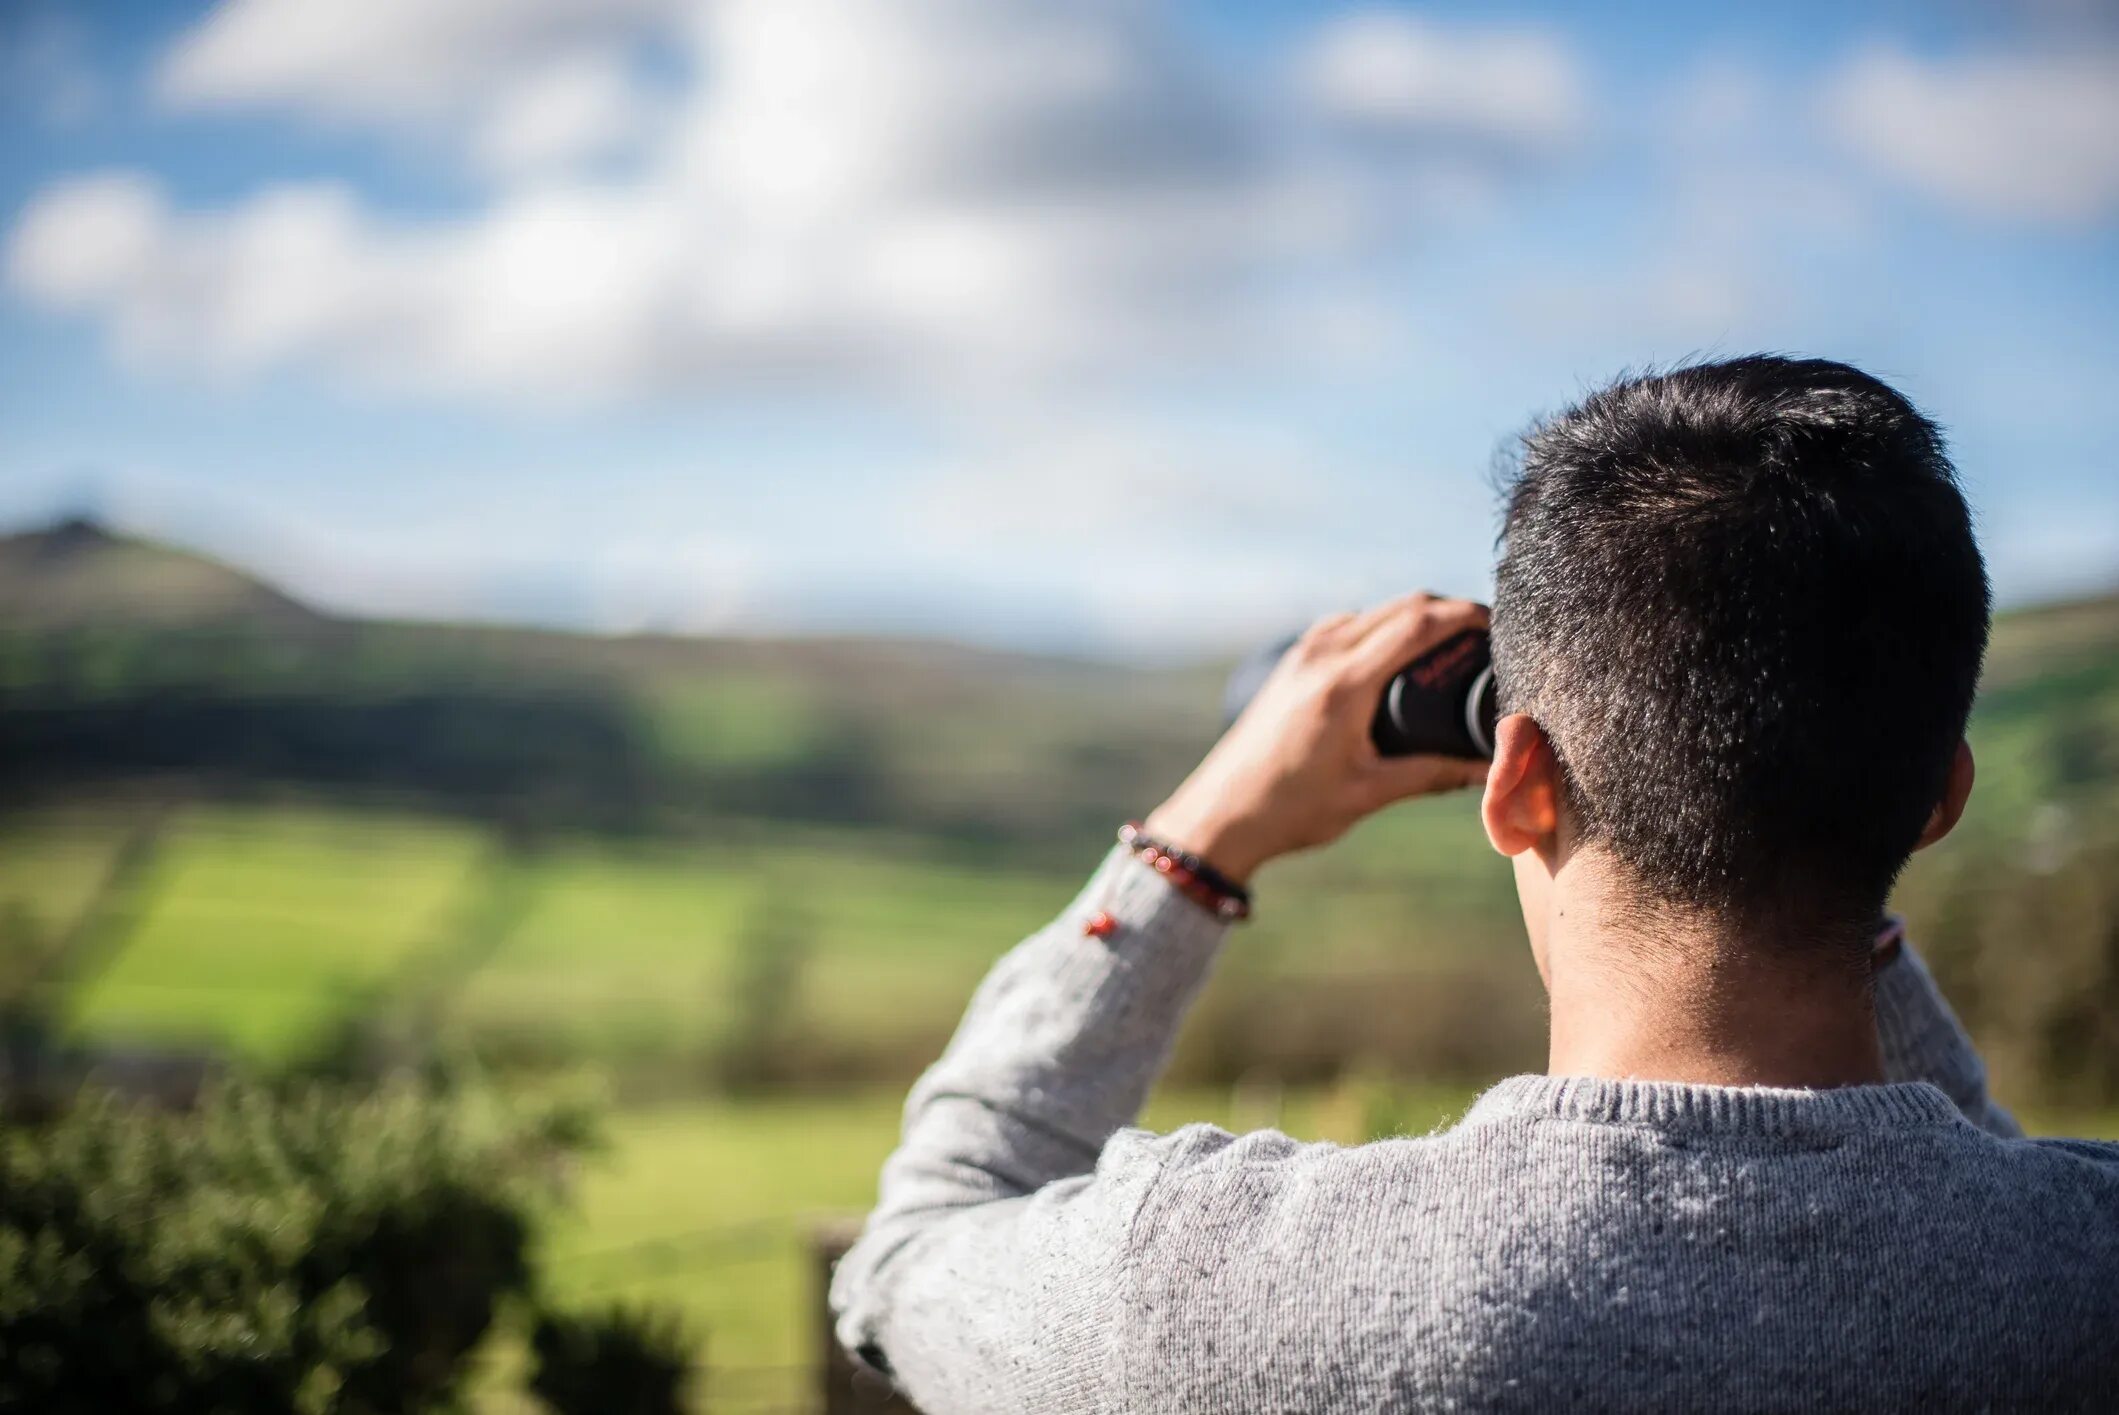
(1570, 1244)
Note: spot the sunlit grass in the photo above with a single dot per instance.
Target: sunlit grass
(263, 927)
(619, 953)
(51, 866)
(634, 952)
(734, 720)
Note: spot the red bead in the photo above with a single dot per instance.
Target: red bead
(1099, 925)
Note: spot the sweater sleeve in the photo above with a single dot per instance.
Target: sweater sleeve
(989, 1272)
(1923, 1041)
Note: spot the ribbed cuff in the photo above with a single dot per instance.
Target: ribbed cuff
(1075, 1022)
(1158, 945)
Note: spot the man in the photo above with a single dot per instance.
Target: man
(1738, 621)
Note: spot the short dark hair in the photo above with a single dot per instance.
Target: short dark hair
(1743, 601)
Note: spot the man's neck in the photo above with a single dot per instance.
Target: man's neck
(1675, 1004)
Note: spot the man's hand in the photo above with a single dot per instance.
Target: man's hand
(1298, 768)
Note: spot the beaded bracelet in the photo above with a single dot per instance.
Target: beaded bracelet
(1191, 876)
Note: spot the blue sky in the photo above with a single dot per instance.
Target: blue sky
(1112, 326)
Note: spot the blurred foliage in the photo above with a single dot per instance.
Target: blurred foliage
(2018, 910)
(614, 1361)
(2025, 941)
(314, 1252)
(771, 951)
(552, 753)
(314, 1256)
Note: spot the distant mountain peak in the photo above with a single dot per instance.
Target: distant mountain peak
(78, 572)
(74, 535)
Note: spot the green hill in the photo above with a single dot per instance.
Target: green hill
(121, 660)
(124, 661)
(77, 574)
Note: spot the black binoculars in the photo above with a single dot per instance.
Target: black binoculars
(1440, 704)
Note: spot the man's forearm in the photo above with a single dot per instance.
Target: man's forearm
(1068, 1032)
(1057, 1052)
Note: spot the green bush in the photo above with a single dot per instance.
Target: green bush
(617, 1361)
(315, 1253)
(2024, 935)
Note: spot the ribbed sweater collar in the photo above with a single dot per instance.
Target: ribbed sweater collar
(1678, 1106)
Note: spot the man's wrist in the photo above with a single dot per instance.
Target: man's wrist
(1220, 842)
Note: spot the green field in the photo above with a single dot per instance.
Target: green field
(628, 955)
(258, 931)
(252, 928)
(51, 872)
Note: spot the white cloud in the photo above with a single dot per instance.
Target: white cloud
(518, 86)
(945, 193)
(83, 241)
(2027, 136)
(1392, 74)
(381, 61)
(579, 107)
(1158, 532)
(297, 272)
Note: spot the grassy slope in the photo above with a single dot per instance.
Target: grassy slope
(77, 573)
(262, 927)
(50, 868)
(263, 924)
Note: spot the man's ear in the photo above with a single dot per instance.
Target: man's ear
(1955, 792)
(1522, 803)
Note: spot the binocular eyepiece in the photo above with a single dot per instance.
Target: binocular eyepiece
(1440, 704)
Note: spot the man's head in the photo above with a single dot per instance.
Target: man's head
(1742, 606)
